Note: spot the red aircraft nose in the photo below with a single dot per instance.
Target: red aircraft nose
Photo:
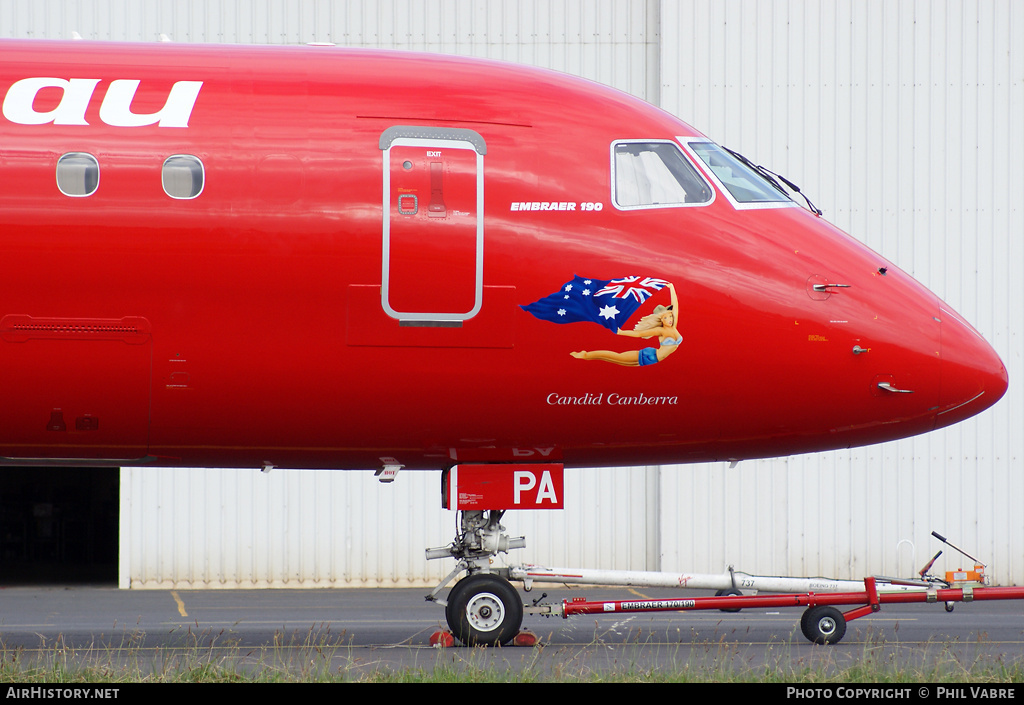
(973, 377)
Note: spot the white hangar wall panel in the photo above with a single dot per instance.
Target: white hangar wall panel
(195, 528)
(902, 121)
(611, 41)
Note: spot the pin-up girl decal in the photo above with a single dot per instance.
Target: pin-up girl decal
(661, 323)
(610, 303)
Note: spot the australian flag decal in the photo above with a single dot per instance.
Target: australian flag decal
(609, 302)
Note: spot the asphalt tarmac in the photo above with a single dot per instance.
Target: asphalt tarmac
(355, 631)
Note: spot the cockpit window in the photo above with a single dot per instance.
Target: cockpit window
(743, 183)
(655, 174)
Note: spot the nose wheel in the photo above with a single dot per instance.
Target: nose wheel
(484, 610)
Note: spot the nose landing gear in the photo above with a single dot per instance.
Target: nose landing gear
(482, 608)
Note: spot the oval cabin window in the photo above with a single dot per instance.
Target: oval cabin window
(183, 176)
(78, 174)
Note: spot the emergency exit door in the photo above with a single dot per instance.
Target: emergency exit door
(433, 225)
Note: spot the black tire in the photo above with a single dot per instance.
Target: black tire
(449, 612)
(805, 627)
(823, 625)
(728, 592)
(485, 611)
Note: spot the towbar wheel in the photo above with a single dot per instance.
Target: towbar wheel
(823, 625)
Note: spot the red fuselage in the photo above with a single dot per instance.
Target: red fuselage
(334, 299)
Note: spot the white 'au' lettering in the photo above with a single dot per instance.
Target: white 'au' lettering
(115, 110)
(77, 92)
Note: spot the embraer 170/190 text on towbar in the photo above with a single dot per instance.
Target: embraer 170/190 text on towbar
(302, 257)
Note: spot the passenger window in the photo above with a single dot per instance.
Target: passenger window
(655, 174)
(183, 176)
(78, 174)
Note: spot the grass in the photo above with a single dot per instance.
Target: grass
(318, 655)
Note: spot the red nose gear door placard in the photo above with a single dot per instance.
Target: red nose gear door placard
(511, 486)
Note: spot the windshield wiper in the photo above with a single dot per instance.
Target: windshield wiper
(770, 177)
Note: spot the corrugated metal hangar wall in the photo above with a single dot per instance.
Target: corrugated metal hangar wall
(901, 119)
